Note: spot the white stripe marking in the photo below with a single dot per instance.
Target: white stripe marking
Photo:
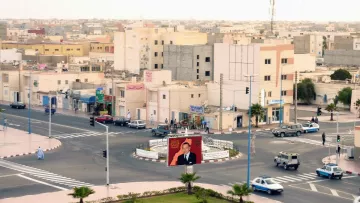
(334, 192)
(285, 179)
(313, 188)
(41, 182)
(10, 175)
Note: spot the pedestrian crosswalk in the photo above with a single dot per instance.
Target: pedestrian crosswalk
(93, 133)
(309, 141)
(44, 175)
(289, 178)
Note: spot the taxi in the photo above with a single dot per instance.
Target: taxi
(266, 184)
(330, 171)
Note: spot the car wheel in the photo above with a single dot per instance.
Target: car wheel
(153, 133)
(114, 123)
(305, 131)
(285, 166)
(330, 176)
(298, 133)
(340, 177)
(121, 124)
(282, 134)
(269, 192)
(137, 127)
(318, 174)
(253, 188)
(296, 167)
(277, 164)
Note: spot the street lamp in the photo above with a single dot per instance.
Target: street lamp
(29, 108)
(281, 111)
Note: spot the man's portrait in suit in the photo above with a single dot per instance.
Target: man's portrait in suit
(188, 157)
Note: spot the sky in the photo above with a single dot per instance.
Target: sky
(312, 10)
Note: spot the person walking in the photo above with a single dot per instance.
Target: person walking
(323, 138)
(316, 120)
(312, 119)
(5, 124)
(171, 122)
(175, 124)
(338, 150)
(40, 154)
(166, 121)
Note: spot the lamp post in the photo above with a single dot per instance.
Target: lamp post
(281, 111)
(29, 108)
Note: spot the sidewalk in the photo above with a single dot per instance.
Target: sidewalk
(15, 142)
(348, 118)
(313, 108)
(102, 192)
(350, 166)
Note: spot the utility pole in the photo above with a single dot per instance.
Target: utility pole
(50, 106)
(281, 91)
(221, 101)
(29, 108)
(296, 77)
(112, 93)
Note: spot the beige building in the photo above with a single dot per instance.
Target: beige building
(10, 85)
(308, 44)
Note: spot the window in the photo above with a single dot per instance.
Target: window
(162, 42)
(156, 54)
(197, 70)
(197, 77)
(171, 42)
(199, 95)
(257, 180)
(276, 114)
(56, 49)
(66, 82)
(283, 77)
(197, 63)
(267, 61)
(269, 94)
(59, 82)
(122, 93)
(67, 49)
(192, 95)
(207, 73)
(284, 61)
(267, 77)
(46, 49)
(283, 93)
(110, 90)
(6, 92)
(198, 57)
(207, 59)
(78, 49)
(156, 66)
(77, 80)
(154, 112)
(162, 66)
(156, 42)
(162, 53)
(164, 96)
(86, 80)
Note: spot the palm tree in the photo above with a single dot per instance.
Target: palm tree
(81, 193)
(187, 178)
(240, 191)
(331, 108)
(357, 106)
(258, 111)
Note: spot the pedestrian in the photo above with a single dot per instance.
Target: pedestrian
(128, 115)
(316, 120)
(175, 124)
(166, 121)
(5, 124)
(312, 119)
(171, 123)
(323, 138)
(207, 129)
(338, 150)
(151, 120)
(40, 154)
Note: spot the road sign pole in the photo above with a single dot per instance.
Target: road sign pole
(107, 153)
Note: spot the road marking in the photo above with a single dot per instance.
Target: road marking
(320, 192)
(313, 188)
(10, 175)
(334, 192)
(41, 182)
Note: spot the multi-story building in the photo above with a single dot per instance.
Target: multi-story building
(309, 44)
(101, 47)
(149, 43)
(189, 62)
(3, 31)
(52, 48)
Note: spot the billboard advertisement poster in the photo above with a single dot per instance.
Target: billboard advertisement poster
(184, 150)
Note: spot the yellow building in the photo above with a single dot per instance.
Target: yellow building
(101, 47)
(52, 49)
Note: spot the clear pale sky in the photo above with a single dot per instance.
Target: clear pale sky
(314, 10)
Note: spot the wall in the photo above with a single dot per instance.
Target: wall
(342, 57)
(343, 42)
(304, 62)
(10, 55)
(330, 90)
(153, 77)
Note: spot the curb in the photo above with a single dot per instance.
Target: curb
(347, 172)
(226, 133)
(203, 162)
(23, 154)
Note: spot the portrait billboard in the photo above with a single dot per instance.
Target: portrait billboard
(184, 150)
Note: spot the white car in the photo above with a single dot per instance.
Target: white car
(137, 124)
(266, 184)
(310, 127)
(330, 171)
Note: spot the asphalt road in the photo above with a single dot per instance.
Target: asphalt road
(80, 159)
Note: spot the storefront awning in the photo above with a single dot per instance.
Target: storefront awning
(88, 99)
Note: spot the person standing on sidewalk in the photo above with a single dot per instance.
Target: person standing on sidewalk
(166, 121)
(323, 138)
(5, 124)
(338, 150)
(151, 120)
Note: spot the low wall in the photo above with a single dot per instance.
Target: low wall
(216, 155)
(147, 154)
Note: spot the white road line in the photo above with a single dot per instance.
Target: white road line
(10, 175)
(285, 179)
(279, 181)
(41, 182)
(299, 177)
(313, 188)
(292, 178)
(334, 192)
(309, 177)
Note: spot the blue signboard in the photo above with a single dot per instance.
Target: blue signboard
(196, 109)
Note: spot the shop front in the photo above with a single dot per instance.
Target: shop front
(108, 104)
(87, 103)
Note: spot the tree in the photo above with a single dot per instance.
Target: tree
(344, 95)
(306, 90)
(258, 111)
(81, 193)
(187, 178)
(340, 74)
(357, 106)
(324, 46)
(240, 191)
(331, 108)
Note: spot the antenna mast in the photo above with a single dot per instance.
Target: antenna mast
(272, 14)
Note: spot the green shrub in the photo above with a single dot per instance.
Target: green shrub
(202, 195)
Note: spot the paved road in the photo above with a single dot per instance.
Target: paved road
(79, 161)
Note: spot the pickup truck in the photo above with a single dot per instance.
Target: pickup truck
(161, 130)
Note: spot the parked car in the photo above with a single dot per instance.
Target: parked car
(137, 124)
(161, 130)
(52, 111)
(310, 127)
(288, 130)
(122, 121)
(104, 119)
(18, 105)
(266, 184)
(287, 160)
(330, 171)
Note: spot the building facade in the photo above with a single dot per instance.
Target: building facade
(308, 44)
(189, 62)
(3, 31)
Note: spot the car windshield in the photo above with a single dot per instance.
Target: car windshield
(284, 127)
(306, 125)
(141, 122)
(336, 169)
(270, 181)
